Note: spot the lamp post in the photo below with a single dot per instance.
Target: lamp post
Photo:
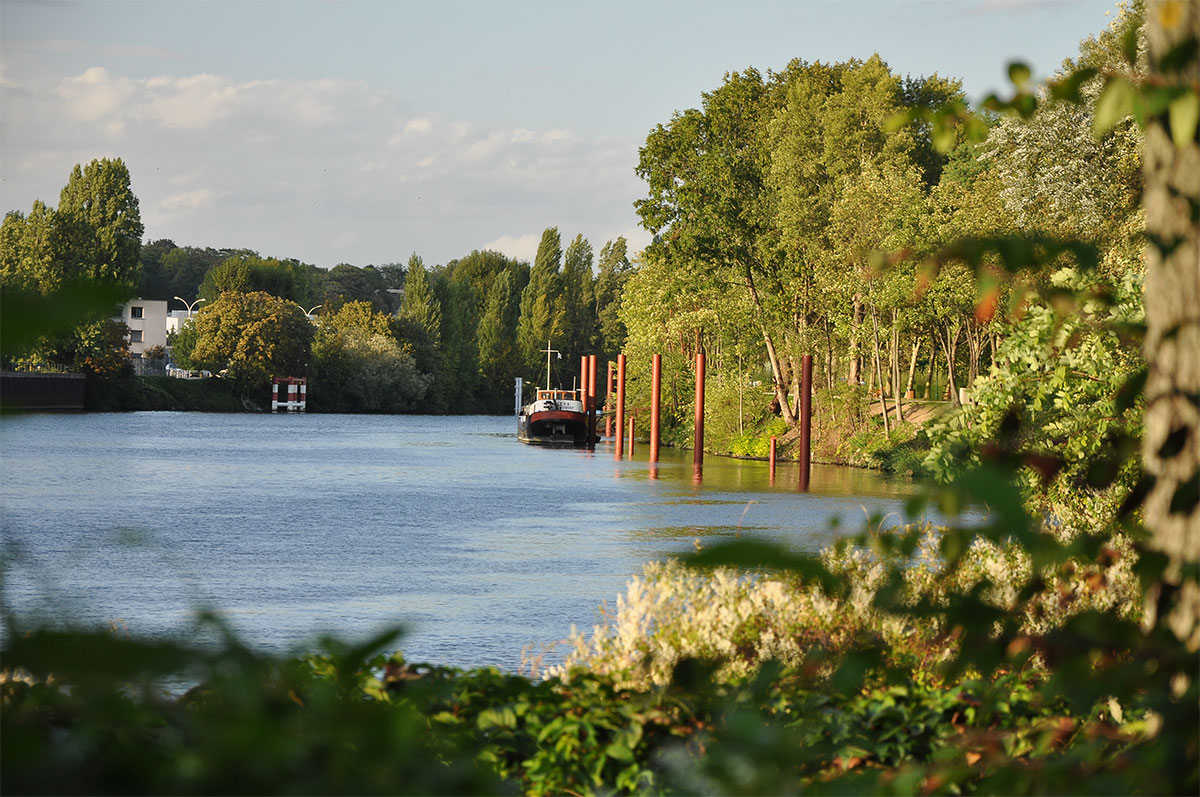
(312, 310)
(189, 306)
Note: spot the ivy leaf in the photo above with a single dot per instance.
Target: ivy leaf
(1131, 390)
(1184, 115)
(1019, 74)
(1068, 89)
(1115, 103)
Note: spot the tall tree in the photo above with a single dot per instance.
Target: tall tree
(614, 271)
(576, 300)
(101, 224)
(496, 339)
(540, 317)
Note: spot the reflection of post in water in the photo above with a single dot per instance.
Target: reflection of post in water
(697, 474)
(653, 472)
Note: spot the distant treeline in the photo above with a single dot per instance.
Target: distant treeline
(395, 338)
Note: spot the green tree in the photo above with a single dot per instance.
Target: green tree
(614, 271)
(256, 336)
(576, 300)
(358, 366)
(101, 224)
(540, 318)
(496, 338)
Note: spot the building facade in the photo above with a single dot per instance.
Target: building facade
(147, 322)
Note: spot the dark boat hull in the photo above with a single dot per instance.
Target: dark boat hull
(560, 429)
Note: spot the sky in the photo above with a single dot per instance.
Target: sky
(362, 131)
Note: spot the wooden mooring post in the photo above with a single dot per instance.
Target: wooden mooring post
(805, 420)
(591, 402)
(655, 403)
(620, 409)
(698, 451)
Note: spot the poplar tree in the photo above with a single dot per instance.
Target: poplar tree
(540, 318)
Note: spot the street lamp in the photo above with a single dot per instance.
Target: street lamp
(189, 306)
(312, 310)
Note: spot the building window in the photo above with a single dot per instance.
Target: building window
(135, 335)
(135, 312)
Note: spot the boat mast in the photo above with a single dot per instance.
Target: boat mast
(550, 351)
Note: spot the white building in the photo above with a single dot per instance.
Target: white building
(176, 319)
(147, 321)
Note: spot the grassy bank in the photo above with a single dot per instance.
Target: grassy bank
(129, 393)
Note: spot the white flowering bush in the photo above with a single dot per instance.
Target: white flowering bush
(739, 620)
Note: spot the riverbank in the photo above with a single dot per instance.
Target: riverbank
(140, 393)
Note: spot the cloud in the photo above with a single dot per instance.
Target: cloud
(519, 247)
(421, 124)
(285, 166)
(70, 46)
(190, 200)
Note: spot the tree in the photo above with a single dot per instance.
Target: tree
(614, 271)
(496, 339)
(576, 300)
(358, 366)
(256, 336)
(540, 318)
(101, 224)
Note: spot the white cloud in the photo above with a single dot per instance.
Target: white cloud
(421, 124)
(284, 166)
(557, 136)
(190, 200)
(519, 247)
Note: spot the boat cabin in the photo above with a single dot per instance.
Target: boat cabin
(557, 395)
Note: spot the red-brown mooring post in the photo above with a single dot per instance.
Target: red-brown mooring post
(620, 420)
(655, 403)
(772, 459)
(591, 402)
(631, 437)
(608, 392)
(805, 419)
(698, 451)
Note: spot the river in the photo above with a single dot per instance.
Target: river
(295, 525)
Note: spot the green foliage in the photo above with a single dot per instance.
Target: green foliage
(1057, 379)
(255, 336)
(358, 366)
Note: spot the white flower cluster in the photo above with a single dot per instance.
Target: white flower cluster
(671, 613)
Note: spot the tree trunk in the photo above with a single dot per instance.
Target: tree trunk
(912, 367)
(933, 350)
(896, 391)
(1172, 513)
(855, 331)
(828, 356)
(977, 337)
(772, 356)
(887, 426)
(953, 331)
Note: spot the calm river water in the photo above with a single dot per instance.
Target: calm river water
(294, 525)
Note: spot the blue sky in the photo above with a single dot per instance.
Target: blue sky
(361, 132)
